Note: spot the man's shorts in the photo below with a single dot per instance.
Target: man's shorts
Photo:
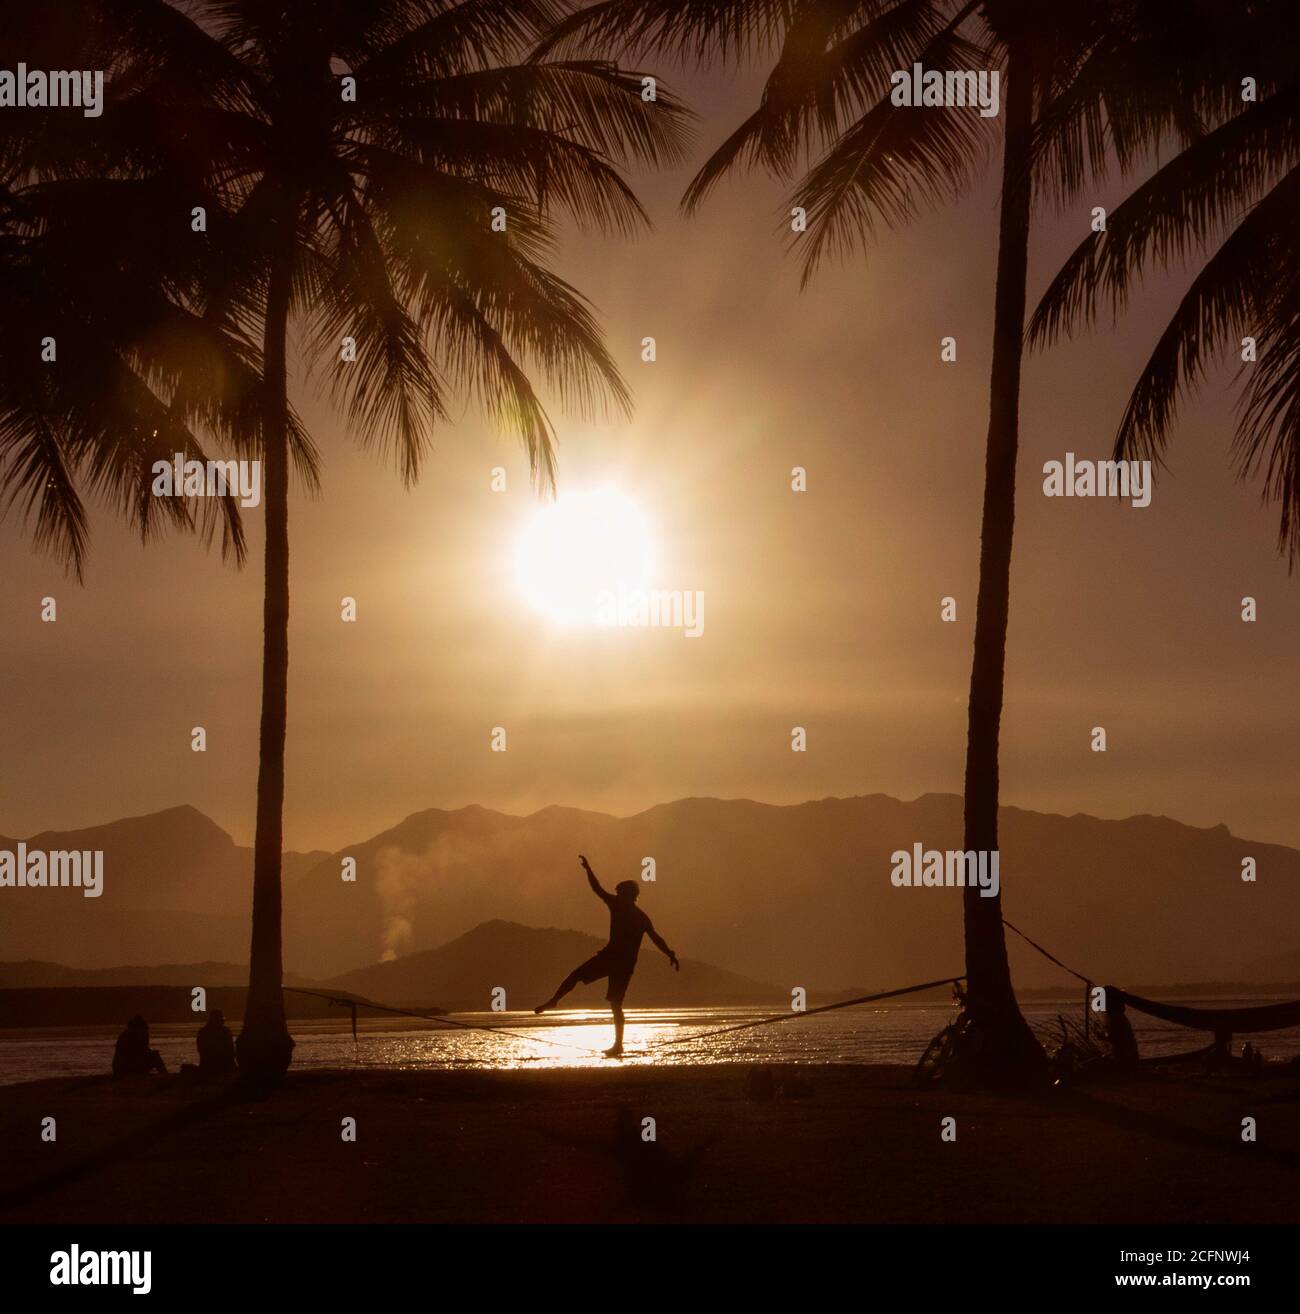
(618, 969)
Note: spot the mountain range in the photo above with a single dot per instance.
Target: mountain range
(784, 895)
(176, 889)
(521, 965)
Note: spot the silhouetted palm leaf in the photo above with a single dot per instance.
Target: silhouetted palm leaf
(135, 375)
(1231, 195)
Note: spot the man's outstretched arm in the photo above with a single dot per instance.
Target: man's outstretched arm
(659, 944)
(596, 888)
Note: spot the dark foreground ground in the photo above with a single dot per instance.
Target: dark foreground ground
(566, 1145)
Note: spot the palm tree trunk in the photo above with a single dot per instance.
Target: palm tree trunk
(265, 1047)
(1000, 1045)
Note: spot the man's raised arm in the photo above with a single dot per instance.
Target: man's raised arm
(596, 889)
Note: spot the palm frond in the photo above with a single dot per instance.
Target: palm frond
(887, 165)
(1225, 298)
(690, 30)
(1174, 213)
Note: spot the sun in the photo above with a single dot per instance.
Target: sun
(579, 548)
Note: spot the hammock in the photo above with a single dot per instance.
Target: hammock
(1220, 1021)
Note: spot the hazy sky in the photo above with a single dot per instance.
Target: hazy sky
(822, 608)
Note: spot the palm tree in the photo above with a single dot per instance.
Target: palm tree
(385, 173)
(1236, 183)
(829, 91)
(105, 368)
(128, 385)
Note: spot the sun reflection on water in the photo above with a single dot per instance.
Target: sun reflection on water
(575, 1038)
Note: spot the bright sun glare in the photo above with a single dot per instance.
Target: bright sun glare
(579, 547)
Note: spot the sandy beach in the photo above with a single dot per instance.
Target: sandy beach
(846, 1144)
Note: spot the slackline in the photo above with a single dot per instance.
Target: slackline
(352, 1004)
(824, 1008)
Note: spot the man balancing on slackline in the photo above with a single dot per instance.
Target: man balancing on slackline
(617, 960)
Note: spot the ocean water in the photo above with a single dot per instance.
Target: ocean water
(888, 1033)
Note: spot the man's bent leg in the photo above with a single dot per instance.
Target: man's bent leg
(561, 990)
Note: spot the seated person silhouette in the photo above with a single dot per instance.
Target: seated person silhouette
(617, 960)
(133, 1057)
(216, 1046)
(1119, 1031)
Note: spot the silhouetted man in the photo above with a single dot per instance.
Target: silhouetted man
(216, 1046)
(132, 1056)
(617, 960)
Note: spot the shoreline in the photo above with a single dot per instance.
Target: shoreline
(851, 1143)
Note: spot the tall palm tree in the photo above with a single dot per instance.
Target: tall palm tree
(385, 172)
(829, 92)
(1234, 187)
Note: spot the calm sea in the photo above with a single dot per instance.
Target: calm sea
(895, 1033)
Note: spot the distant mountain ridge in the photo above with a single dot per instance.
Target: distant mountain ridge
(35, 975)
(176, 887)
(528, 962)
(794, 895)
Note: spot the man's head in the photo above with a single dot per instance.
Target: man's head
(627, 891)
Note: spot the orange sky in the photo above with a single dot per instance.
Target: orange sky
(822, 608)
